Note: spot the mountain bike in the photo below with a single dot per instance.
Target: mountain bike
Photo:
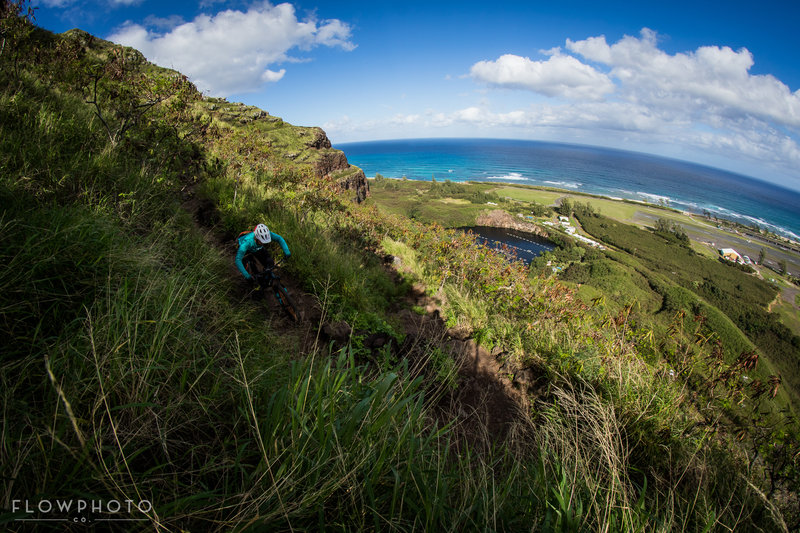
(270, 281)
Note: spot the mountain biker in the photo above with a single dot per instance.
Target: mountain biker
(252, 247)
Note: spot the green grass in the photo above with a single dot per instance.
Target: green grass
(457, 205)
(732, 301)
(135, 369)
(628, 279)
(790, 316)
(616, 282)
(141, 375)
(619, 210)
(529, 195)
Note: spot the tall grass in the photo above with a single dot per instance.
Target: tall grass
(328, 256)
(129, 372)
(131, 369)
(623, 450)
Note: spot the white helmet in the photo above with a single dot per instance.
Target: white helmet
(262, 234)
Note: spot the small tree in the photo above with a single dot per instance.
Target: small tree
(761, 255)
(565, 208)
(122, 93)
(16, 24)
(670, 229)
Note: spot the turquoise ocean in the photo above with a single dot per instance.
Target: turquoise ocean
(602, 171)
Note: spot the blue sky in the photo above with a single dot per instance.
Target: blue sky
(718, 85)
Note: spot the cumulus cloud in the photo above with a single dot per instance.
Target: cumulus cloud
(235, 51)
(401, 119)
(616, 116)
(703, 99)
(560, 75)
(711, 80)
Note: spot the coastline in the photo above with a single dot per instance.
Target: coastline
(700, 229)
(708, 235)
(685, 212)
(629, 176)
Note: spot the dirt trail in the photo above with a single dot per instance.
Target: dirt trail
(485, 404)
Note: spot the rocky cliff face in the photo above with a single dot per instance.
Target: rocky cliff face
(357, 183)
(500, 219)
(334, 163)
(319, 139)
(329, 161)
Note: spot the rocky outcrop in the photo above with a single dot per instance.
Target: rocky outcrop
(357, 183)
(334, 163)
(319, 139)
(498, 218)
(330, 161)
(302, 147)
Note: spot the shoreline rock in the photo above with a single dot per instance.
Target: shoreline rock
(498, 218)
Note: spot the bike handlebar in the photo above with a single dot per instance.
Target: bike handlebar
(268, 270)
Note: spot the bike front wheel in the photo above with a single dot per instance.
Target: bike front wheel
(286, 302)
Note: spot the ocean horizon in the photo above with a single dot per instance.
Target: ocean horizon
(588, 169)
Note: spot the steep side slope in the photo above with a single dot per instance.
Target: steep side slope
(128, 349)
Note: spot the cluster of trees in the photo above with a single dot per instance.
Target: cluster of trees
(671, 230)
(387, 183)
(451, 189)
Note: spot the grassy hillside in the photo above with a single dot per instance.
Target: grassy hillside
(660, 273)
(136, 367)
(733, 302)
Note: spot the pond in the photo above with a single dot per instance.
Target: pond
(518, 244)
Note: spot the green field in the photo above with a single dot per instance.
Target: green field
(530, 195)
(621, 210)
(454, 206)
(789, 314)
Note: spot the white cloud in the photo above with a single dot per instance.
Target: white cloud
(755, 144)
(235, 51)
(560, 75)
(705, 101)
(57, 3)
(711, 81)
(403, 120)
(615, 116)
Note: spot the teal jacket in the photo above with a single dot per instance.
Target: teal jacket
(248, 244)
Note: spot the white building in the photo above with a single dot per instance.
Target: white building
(731, 255)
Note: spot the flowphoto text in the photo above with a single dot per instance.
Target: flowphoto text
(80, 510)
